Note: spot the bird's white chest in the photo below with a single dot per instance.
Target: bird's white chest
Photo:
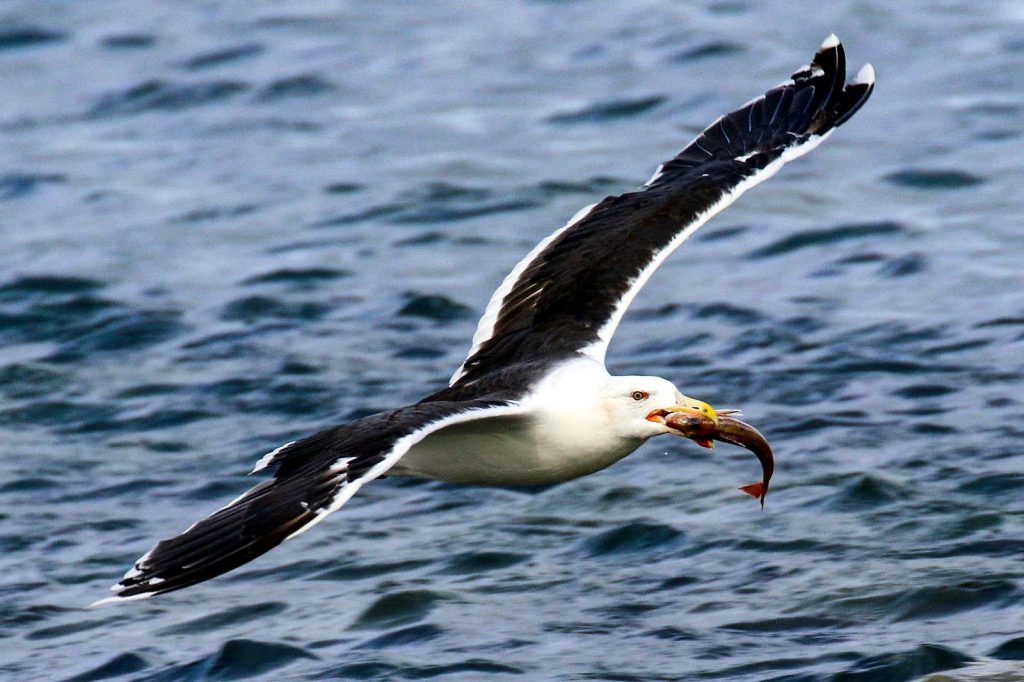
(564, 434)
(528, 450)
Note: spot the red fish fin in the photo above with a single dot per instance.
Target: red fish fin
(755, 490)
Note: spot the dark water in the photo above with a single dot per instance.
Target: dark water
(224, 225)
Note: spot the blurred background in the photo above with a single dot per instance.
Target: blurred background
(224, 225)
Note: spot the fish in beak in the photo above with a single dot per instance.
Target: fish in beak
(699, 422)
(691, 418)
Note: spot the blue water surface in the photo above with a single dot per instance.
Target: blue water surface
(224, 225)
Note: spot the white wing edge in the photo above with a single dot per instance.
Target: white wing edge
(485, 327)
(598, 349)
(267, 459)
(347, 490)
(398, 450)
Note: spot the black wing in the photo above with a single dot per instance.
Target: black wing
(568, 295)
(313, 477)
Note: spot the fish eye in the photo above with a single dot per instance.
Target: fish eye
(639, 395)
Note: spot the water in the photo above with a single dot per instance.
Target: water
(227, 225)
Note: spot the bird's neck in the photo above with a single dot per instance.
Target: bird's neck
(574, 421)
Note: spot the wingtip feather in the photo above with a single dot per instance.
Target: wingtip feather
(866, 76)
(117, 599)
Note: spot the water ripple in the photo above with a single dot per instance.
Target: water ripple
(221, 56)
(12, 37)
(301, 86)
(226, 618)
(398, 608)
(819, 238)
(932, 179)
(610, 110)
(159, 95)
(903, 666)
(236, 659)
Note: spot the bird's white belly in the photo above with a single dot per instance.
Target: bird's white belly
(511, 451)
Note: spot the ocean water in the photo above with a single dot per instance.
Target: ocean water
(224, 225)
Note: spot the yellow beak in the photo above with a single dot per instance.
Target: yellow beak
(697, 407)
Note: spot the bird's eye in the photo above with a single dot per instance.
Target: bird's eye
(639, 395)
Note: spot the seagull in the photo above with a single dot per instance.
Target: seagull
(533, 404)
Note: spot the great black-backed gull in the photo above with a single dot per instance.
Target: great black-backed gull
(533, 402)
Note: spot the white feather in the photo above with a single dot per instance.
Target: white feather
(598, 349)
(866, 76)
(266, 459)
(400, 447)
(485, 328)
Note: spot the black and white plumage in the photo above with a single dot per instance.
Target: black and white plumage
(533, 402)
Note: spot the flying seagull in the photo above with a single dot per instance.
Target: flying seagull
(533, 402)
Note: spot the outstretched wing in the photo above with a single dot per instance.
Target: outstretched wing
(568, 295)
(314, 477)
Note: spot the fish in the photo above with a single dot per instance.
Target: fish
(725, 427)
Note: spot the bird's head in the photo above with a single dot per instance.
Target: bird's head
(639, 405)
(650, 406)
